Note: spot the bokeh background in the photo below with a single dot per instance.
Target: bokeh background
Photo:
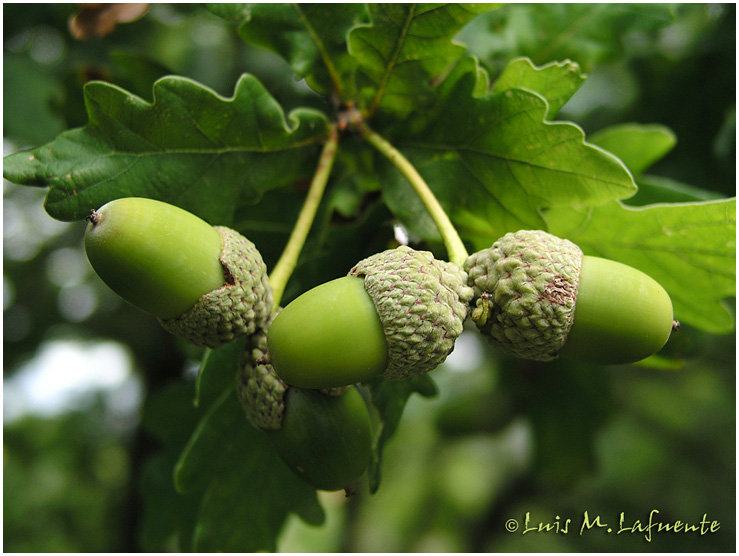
(503, 438)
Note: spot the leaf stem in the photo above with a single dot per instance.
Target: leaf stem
(455, 248)
(289, 259)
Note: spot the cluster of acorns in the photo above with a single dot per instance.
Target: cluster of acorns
(397, 314)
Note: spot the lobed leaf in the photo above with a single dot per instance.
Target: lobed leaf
(638, 146)
(311, 38)
(588, 33)
(494, 162)
(189, 147)
(389, 398)
(689, 248)
(242, 481)
(403, 49)
(556, 82)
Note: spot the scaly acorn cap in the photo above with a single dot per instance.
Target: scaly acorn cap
(525, 289)
(261, 392)
(241, 306)
(422, 303)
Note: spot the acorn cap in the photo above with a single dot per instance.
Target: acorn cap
(241, 306)
(525, 289)
(260, 390)
(422, 303)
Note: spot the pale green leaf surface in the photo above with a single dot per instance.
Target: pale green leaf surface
(403, 49)
(556, 82)
(494, 163)
(638, 146)
(190, 147)
(689, 248)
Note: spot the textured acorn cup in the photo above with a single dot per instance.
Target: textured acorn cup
(538, 297)
(324, 437)
(205, 284)
(398, 313)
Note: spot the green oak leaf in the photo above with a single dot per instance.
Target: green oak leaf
(311, 38)
(242, 480)
(556, 81)
(638, 146)
(389, 397)
(589, 33)
(189, 147)
(403, 49)
(689, 248)
(494, 162)
(659, 189)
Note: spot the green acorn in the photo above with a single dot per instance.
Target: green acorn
(323, 436)
(538, 297)
(398, 313)
(207, 284)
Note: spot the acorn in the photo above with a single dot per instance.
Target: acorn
(206, 284)
(397, 314)
(323, 436)
(536, 296)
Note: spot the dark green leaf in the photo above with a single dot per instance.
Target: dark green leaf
(689, 248)
(29, 95)
(566, 404)
(243, 482)
(389, 398)
(232, 11)
(310, 37)
(218, 372)
(658, 189)
(404, 48)
(190, 147)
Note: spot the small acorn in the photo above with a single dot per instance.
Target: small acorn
(206, 284)
(323, 436)
(538, 297)
(398, 313)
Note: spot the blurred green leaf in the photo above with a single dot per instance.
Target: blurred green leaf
(190, 148)
(589, 34)
(658, 189)
(689, 248)
(638, 146)
(30, 94)
(556, 81)
(566, 404)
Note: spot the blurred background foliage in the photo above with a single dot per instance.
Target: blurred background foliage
(90, 386)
